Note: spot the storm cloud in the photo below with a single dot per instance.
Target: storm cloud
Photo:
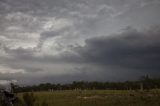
(130, 49)
(67, 40)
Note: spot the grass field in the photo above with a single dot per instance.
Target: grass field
(98, 98)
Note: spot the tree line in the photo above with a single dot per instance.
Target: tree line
(144, 83)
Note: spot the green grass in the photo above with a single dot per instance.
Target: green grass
(98, 98)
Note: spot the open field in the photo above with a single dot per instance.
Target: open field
(98, 98)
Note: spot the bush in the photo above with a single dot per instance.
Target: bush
(18, 102)
(44, 103)
(29, 99)
(1, 101)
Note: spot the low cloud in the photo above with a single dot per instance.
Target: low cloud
(131, 49)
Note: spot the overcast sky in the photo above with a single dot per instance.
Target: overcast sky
(90, 40)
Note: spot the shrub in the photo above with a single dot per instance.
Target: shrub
(44, 103)
(29, 99)
(18, 102)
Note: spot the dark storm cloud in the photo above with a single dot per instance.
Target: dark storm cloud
(129, 50)
(63, 39)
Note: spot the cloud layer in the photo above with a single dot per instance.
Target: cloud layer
(66, 40)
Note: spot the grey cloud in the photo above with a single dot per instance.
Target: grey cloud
(20, 77)
(27, 69)
(48, 34)
(53, 33)
(130, 49)
(29, 78)
(20, 51)
(45, 35)
(25, 41)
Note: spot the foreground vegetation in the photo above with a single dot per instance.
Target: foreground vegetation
(97, 98)
(144, 92)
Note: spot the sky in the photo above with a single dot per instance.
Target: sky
(61, 41)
